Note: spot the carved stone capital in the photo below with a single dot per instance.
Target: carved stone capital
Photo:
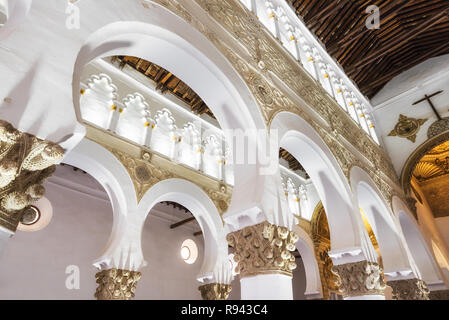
(409, 289)
(439, 295)
(215, 291)
(263, 249)
(359, 279)
(116, 284)
(25, 162)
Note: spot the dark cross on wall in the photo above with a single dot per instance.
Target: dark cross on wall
(427, 98)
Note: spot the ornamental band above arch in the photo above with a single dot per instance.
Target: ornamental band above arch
(147, 168)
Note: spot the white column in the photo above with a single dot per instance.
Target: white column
(301, 47)
(267, 287)
(149, 126)
(254, 6)
(310, 65)
(362, 117)
(339, 96)
(114, 116)
(351, 106)
(277, 30)
(272, 278)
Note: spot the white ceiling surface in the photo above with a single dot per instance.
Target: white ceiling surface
(36, 64)
(397, 98)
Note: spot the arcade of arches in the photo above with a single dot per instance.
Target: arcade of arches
(216, 149)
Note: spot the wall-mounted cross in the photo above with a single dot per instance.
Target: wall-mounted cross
(427, 98)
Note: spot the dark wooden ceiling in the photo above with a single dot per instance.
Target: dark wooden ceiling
(410, 32)
(167, 82)
(293, 164)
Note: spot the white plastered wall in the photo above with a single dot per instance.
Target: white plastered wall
(34, 263)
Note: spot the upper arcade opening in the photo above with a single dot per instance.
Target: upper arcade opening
(148, 105)
(430, 180)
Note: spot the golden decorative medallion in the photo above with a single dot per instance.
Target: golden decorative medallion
(407, 127)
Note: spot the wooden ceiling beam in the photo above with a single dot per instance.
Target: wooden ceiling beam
(361, 30)
(182, 222)
(392, 74)
(329, 10)
(398, 42)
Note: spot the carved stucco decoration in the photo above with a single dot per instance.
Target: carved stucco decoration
(407, 127)
(263, 248)
(116, 284)
(262, 60)
(215, 291)
(221, 198)
(25, 162)
(409, 289)
(438, 127)
(359, 279)
(439, 295)
(145, 174)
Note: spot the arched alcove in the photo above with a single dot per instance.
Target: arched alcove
(392, 248)
(202, 208)
(300, 139)
(419, 248)
(305, 247)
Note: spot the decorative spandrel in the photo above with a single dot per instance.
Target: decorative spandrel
(146, 168)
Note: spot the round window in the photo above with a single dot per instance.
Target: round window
(189, 251)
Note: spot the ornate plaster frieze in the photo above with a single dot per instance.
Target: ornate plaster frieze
(439, 295)
(215, 291)
(262, 63)
(147, 168)
(25, 162)
(263, 248)
(438, 127)
(409, 289)
(116, 284)
(359, 279)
